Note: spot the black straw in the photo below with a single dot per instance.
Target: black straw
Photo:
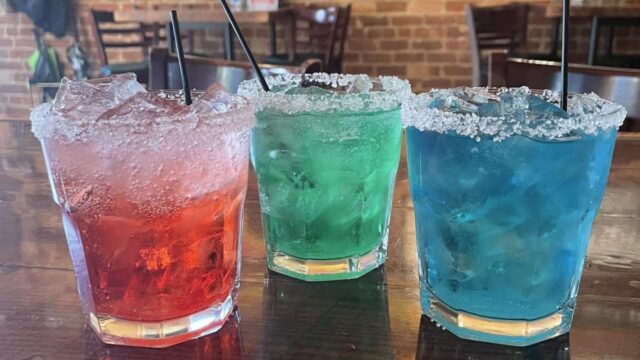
(565, 54)
(243, 42)
(175, 25)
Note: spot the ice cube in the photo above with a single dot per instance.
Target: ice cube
(145, 107)
(82, 100)
(493, 109)
(476, 96)
(458, 105)
(361, 84)
(215, 99)
(123, 86)
(544, 110)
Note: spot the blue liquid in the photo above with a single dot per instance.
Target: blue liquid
(503, 227)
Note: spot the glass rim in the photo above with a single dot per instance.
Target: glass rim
(601, 115)
(392, 94)
(48, 123)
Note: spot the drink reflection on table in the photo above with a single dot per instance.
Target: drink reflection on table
(326, 320)
(224, 344)
(435, 343)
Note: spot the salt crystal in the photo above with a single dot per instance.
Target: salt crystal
(83, 109)
(500, 113)
(384, 93)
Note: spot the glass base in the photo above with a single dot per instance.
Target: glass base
(162, 334)
(326, 270)
(498, 331)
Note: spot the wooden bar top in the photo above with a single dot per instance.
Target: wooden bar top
(195, 16)
(375, 317)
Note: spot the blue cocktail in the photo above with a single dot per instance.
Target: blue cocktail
(506, 186)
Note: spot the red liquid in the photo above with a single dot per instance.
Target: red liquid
(146, 268)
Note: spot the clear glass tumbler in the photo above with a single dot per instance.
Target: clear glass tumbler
(151, 193)
(505, 187)
(326, 150)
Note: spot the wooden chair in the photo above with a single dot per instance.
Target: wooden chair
(164, 72)
(616, 84)
(110, 34)
(494, 28)
(316, 32)
(609, 58)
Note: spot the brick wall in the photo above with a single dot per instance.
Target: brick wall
(424, 41)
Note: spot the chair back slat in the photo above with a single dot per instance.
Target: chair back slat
(111, 34)
(322, 31)
(619, 85)
(501, 27)
(501, 22)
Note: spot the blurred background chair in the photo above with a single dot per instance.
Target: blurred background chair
(316, 32)
(598, 24)
(496, 28)
(109, 34)
(618, 85)
(136, 35)
(164, 71)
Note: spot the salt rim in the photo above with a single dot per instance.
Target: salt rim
(394, 92)
(603, 114)
(47, 123)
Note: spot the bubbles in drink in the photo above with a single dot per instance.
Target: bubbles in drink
(152, 188)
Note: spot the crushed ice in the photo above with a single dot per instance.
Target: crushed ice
(500, 113)
(83, 108)
(322, 92)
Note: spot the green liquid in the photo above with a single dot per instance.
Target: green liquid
(326, 180)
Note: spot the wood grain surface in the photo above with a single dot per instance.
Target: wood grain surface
(375, 317)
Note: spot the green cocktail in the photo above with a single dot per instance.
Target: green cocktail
(326, 150)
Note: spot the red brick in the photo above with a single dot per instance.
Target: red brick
(376, 32)
(8, 19)
(454, 31)
(356, 34)
(21, 77)
(457, 45)
(404, 32)
(377, 58)
(455, 6)
(20, 100)
(427, 45)
(392, 70)
(359, 69)
(362, 45)
(441, 57)
(464, 58)
(456, 70)
(394, 45)
(6, 65)
(406, 20)
(21, 54)
(462, 82)
(349, 57)
(443, 19)
(12, 89)
(439, 83)
(18, 112)
(373, 21)
(408, 57)
(27, 43)
(391, 6)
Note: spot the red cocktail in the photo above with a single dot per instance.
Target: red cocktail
(151, 193)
